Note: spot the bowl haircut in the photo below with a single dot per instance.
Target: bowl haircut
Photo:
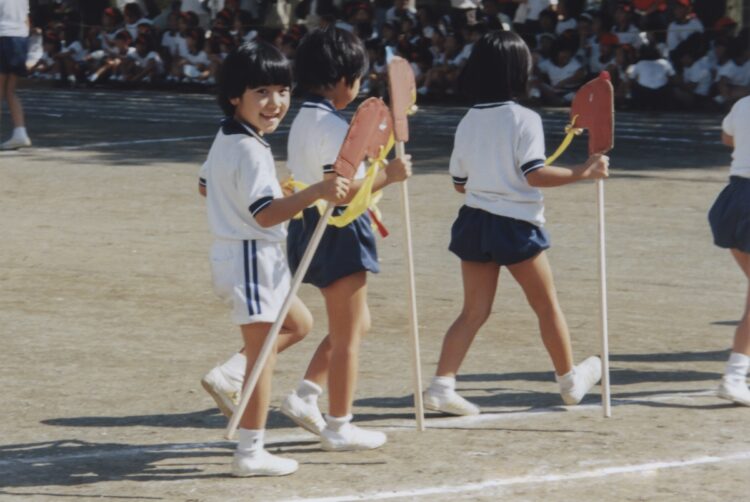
(497, 70)
(324, 57)
(249, 66)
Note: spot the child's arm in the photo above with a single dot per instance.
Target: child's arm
(333, 189)
(727, 139)
(596, 167)
(396, 170)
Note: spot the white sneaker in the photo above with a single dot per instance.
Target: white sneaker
(304, 414)
(736, 392)
(225, 393)
(262, 464)
(351, 438)
(16, 143)
(587, 374)
(450, 403)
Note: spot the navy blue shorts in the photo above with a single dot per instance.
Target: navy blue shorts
(13, 52)
(730, 215)
(342, 251)
(484, 237)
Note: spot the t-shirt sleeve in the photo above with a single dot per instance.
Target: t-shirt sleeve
(203, 175)
(727, 125)
(530, 150)
(256, 183)
(456, 168)
(331, 143)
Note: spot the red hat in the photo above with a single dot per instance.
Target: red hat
(608, 39)
(724, 22)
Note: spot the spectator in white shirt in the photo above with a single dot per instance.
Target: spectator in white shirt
(627, 32)
(684, 25)
(650, 80)
(733, 78)
(693, 84)
(564, 74)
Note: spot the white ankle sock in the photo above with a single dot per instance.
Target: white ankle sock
(19, 133)
(250, 441)
(737, 367)
(234, 367)
(336, 423)
(567, 381)
(309, 391)
(442, 384)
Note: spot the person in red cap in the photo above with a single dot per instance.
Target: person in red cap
(684, 25)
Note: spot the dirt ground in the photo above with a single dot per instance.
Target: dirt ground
(108, 322)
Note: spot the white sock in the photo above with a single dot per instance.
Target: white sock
(443, 385)
(309, 391)
(737, 367)
(250, 441)
(19, 133)
(336, 423)
(567, 381)
(234, 367)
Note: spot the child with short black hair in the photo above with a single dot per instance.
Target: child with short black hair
(498, 161)
(650, 80)
(246, 212)
(730, 224)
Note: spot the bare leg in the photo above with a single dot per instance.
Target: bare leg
(535, 277)
(256, 412)
(14, 103)
(346, 301)
(742, 334)
(317, 370)
(480, 283)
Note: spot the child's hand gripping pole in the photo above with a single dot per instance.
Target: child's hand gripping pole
(403, 92)
(368, 133)
(593, 109)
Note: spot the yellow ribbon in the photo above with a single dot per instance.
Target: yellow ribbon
(570, 132)
(363, 200)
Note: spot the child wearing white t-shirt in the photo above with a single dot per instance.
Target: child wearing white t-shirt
(650, 79)
(498, 161)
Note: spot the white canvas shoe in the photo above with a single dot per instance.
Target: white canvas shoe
(349, 437)
(262, 464)
(305, 414)
(587, 374)
(449, 402)
(225, 393)
(16, 143)
(734, 391)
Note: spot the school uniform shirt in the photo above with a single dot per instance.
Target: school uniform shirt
(735, 74)
(737, 125)
(699, 73)
(565, 25)
(240, 179)
(315, 138)
(651, 74)
(199, 58)
(631, 36)
(13, 16)
(496, 146)
(175, 44)
(677, 32)
(556, 73)
(142, 61)
(107, 40)
(76, 51)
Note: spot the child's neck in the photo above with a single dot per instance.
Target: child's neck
(327, 93)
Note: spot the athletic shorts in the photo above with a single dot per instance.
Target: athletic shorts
(250, 276)
(729, 217)
(13, 51)
(342, 251)
(480, 236)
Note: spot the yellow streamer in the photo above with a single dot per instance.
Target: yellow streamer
(570, 132)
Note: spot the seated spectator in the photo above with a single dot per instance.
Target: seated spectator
(244, 27)
(547, 22)
(111, 23)
(565, 19)
(133, 15)
(526, 19)
(440, 80)
(650, 13)
(650, 80)
(194, 65)
(172, 42)
(733, 78)
(604, 59)
(693, 84)
(48, 67)
(627, 33)
(684, 25)
(398, 11)
(143, 64)
(112, 65)
(72, 54)
(561, 76)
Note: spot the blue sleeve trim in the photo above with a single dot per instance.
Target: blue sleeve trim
(328, 168)
(259, 205)
(459, 181)
(532, 165)
(202, 181)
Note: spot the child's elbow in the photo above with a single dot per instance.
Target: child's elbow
(264, 220)
(459, 188)
(535, 178)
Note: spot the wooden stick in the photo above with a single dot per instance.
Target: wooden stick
(606, 404)
(270, 342)
(413, 321)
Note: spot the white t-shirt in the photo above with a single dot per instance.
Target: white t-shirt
(151, 56)
(737, 125)
(175, 44)
(496, 146)
(556, 73)
(76, 51)
(567, 24)
(736, 75)
(631, 36)
(699, 73)
(677, 32)
(315, 138)
(530, 10)
(13, 17)
(240, 179)
(200, 58)
(651, 73)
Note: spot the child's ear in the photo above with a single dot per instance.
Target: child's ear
(234, 101)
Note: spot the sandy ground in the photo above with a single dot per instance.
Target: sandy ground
(108, 323)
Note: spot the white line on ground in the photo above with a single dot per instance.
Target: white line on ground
(134, 142)
(538, 479)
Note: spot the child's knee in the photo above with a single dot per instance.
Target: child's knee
(476, 315)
